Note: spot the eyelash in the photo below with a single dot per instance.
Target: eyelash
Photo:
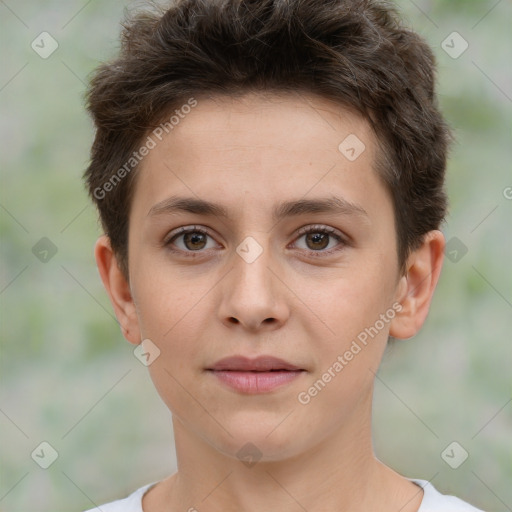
(303, 231)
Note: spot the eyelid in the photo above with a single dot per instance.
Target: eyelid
(183, 230)
(311, 228)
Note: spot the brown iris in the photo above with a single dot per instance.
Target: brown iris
(196, 240)
(317, 238)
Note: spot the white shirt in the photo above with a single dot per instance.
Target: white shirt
(433, 501)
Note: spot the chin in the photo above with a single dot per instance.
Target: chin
(256, 437)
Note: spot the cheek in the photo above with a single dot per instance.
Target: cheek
(352, 308)
(174, 311)
(164, 299)
(352, 302)
(347, 358)
(174, 325)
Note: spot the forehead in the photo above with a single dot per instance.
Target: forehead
(288, 121)
(260, 148)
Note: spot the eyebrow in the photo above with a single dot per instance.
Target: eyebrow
(332, 205)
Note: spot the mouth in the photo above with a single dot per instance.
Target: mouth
(258, 364)
(252, 376)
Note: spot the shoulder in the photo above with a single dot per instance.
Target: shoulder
(132, 503)
(434, 501)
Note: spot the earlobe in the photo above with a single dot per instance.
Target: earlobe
(118, 289)
(417, 285)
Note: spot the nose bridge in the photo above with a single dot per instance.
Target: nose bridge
(252, 278)
(250, 293)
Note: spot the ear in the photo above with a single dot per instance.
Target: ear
(118, 290)
(416, 287)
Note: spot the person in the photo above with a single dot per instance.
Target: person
(270, 180)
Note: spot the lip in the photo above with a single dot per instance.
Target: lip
(258, 364)
(253, 376)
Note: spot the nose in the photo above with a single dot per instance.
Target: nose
(252, 294)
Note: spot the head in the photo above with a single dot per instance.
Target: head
(253, 106)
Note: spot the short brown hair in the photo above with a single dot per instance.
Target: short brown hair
(356, 53)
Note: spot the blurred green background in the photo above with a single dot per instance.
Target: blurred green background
(69, 378)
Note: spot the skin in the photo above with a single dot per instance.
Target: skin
(248, 155)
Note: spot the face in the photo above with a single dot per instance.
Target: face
(297, 260)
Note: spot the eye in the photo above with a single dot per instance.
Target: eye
(318, 238)
(192, 238)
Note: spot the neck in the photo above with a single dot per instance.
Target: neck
(340, 472)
